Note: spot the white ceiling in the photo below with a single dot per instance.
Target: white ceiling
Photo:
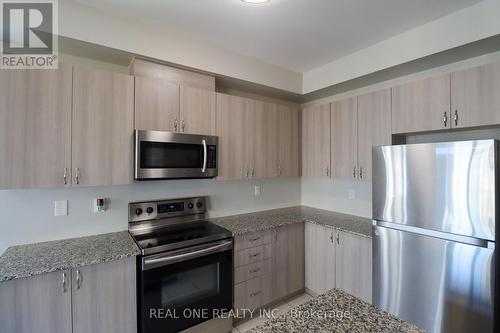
(295, 34)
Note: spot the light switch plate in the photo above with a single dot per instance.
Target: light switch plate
(61, 208)
(257, 190)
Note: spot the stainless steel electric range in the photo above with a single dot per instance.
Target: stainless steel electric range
(185, 273)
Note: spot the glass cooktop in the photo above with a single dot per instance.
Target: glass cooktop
(180, 235)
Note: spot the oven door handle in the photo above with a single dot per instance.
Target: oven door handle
(204, 144)
(169, 259)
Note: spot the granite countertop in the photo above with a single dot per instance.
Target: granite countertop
(244, 223)
(336, 311)
(28, 260)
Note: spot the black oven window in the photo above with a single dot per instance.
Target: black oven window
(159, 155)
(190, 286)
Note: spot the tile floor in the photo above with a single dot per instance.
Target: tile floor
(282, 309)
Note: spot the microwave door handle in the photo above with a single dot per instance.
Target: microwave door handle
(171, 259)
(204, 167)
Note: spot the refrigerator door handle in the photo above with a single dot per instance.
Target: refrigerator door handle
(437, 234)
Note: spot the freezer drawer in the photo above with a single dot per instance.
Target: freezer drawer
(437, 284)
(447, 187)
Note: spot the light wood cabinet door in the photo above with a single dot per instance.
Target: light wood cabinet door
(197, 111)
(344, 145)
(422, 105)
(271, 146)
(35, 128)
(475, 96)
(259, 122)
(288, 144)
(40, 304)
(316, 141)
(319, 258)
(233, 132)
(289, 260)
(374, 128)
(104, 297)
(102, 133)
(157, 104)
(353, 261)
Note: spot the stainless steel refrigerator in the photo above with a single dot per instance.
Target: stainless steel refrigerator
(435, 215)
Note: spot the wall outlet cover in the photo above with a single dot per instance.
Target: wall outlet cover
(99, 205)
(257, 190)
(352, 195)
(61, 208)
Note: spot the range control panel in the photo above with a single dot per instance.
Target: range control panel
(152, 210)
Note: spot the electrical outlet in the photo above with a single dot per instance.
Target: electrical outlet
(352, 195)
(257, 190)
(99, 205)
(61, 208)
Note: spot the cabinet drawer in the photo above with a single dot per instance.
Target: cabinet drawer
(253, 293)
(253, 239)
(254, 254)
(248, 272)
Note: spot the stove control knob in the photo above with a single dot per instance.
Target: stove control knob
(199, 204)
(138, 211)
(149, 210)
(190, 205)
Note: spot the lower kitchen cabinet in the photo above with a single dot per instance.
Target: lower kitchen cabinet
(40, 304)
(320, 258)
(98, 298)
(104, 298)
(337, 259)
(353, 265)
(289, 260)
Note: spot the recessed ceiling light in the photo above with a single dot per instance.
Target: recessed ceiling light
(255, 1)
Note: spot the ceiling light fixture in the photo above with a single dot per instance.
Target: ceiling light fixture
(255, 1)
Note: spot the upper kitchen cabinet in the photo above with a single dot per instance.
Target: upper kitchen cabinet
(261, 139)
(35, 128)
(102, 131)
(233, 132)
(197, 111)
(344, 139)
(475, 96)
(422, 105)
(374, 128)
(156, 104)
(316, 141)
(288, 141)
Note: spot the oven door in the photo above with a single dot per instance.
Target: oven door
(182, 288)
(163, 155)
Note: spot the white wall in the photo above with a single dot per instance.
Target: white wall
(28, 215)
(333, 195)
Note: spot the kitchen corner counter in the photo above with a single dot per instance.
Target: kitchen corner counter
(33, 259)
(336, 311)
(244, 223)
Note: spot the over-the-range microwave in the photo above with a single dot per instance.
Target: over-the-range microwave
(167, 155)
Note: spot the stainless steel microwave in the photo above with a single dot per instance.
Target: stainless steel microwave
(166, 155)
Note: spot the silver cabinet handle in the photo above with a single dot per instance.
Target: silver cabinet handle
(327, 171)
(254, 270)
(255, 294)
(77, 176)
(445, 119)
(252, 173)
(247, 173)
(183, 125)
(338, 239)
(65, 176)
(254, 255)
(204, 144)
(275, 235)
(455, 118)
(64, 284)
(331, 237)
(354, 172)
(78, 279)
(279, 170)
(360, 172)
(254, 239)
(176, 123)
